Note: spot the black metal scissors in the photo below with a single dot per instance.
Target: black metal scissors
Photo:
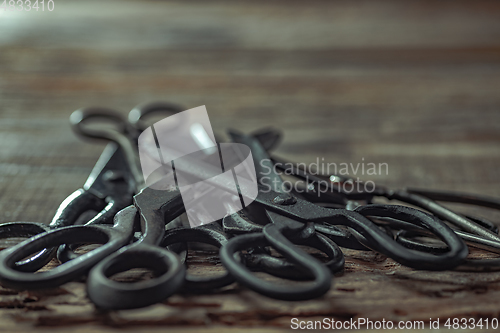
(343, 191)
(116, 178)
(156, 208)
(109, 188)
(408, 234)
(426, 199)
(279, 206)
(288, 220)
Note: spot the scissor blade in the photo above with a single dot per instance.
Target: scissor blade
(269, 138)
(264, 167)
(111, 163)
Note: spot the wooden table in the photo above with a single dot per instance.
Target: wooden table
(415, 85)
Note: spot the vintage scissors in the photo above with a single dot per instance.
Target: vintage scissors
(290, 217)
(107, 190)
(110, 187)
(123, 134)
(279, 206)
(332, 189)
(114, 237)
(156, 207)
(423, 198)
(407, 237)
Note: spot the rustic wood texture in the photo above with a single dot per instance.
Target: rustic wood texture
(411, 84)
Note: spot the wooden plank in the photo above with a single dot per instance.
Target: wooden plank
(285, 25)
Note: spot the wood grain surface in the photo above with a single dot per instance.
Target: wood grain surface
(412, 84)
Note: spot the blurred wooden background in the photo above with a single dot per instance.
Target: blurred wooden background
(413, 84)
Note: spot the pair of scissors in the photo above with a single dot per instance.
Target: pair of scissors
(153, 208)
(333, 186)
(109, 188)
(279, 206)
(332, 189)
(420, 197)
(114, 237)
(408, 234)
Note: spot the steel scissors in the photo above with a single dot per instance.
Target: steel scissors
(287, 220)
(155, 208)
(107, 190)
(426, 199)
(331, 189)
(419, 197)
(406, 237)
(109, 187)
(279, 206)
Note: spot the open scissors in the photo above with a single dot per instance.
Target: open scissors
(121, 170)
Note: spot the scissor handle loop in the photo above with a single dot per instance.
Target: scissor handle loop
(123, 135)
(65, 252)
(113, 238)
(264, 262)
(137, 117)
(81, 120)
(316, 288)
(28, 229)
(110, 294)
(208, 234)
(382, 243)
(405, 238)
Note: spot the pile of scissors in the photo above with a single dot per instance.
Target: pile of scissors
(140, 227)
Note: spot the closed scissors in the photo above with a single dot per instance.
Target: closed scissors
(278, 206)
(407, 233)
(155, 207)
(332, 189)
(109, 188)
(426, 199)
